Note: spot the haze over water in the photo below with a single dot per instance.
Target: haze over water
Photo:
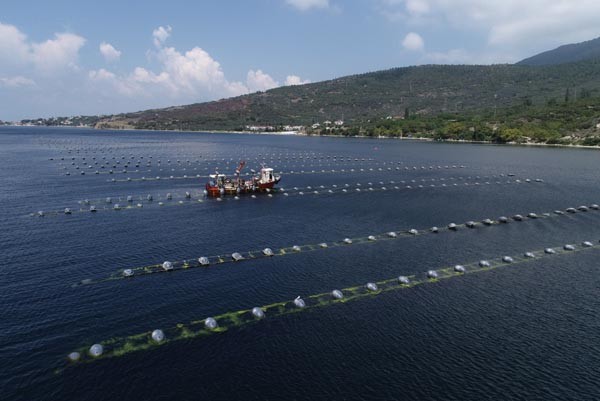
(528, 331)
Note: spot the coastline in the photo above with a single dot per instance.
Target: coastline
(298, 133)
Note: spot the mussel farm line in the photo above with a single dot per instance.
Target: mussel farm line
(290, 172)
(237, 257)
(117, 347)
(335, 189)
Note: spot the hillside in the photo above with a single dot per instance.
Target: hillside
(566, 54)
(424, 90)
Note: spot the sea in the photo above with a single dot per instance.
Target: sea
(528, 330)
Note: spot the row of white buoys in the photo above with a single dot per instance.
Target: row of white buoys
(158, 336)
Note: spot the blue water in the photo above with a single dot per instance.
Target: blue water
(531, 332)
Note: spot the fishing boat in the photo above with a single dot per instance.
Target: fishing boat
(219, 184)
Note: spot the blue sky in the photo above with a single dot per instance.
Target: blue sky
(75, 57)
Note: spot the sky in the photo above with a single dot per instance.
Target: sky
(64, 58)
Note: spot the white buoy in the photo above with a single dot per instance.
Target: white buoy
(503, 219)
(371, 238)
(403, 280)
(337, 294)
(128, 273)
(167, 266)
(203, 261)
(432, 274)
(594, 206)
(74, 356)
(258, 312)
(569, 247)
(268, 252)
(372, 287)
(96, 350)
(571, 210)
(459, 269)
(487, 222)
(158, 336)
(299, 302)
(413, 231)
(452, 226)
(93, 209)
(549, 251)
(392, 234)
(236, 256)
(323, 245)
(296, 248)
(347, 241)
(532, 216)
(67, 211)
(470, 224)
(210, 323)
(530, 255)
(484, 263)
(517, 217)
(587, 244)
(507, 259)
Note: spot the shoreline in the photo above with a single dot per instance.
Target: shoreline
(301, 134)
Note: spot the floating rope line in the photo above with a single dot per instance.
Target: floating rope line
(198, 193)
(289, 172)
(120, 346)
(131, 204)
(237, 257)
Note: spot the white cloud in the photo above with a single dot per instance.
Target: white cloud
(413, 41)
(417, 7)
(511, 28)
(304, 5)
(260, 81)
(14, 48)
(49, 57)
(57, 54)
(161, 34)
(295, 80)
(109, 52)
(15, 82)
(183, 76)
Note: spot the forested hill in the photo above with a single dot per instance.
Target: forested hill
(423, 90)
(566, 54)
